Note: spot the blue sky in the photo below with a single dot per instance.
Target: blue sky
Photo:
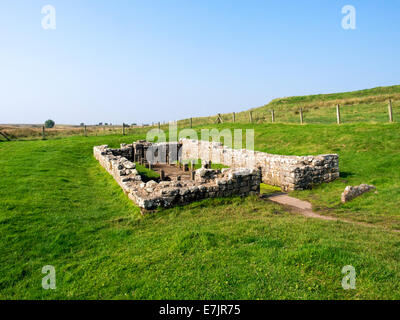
(144, 61)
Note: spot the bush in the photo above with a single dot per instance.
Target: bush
(49, 123)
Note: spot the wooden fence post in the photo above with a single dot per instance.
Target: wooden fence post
(123, 128)
(301, 115)
(233, 117)
(191, 122)
(43, 133)
(338, 113)
(251, 116)
(220, 118)
(390, 111)
(159, 125)
(272, 115)
(84, 130)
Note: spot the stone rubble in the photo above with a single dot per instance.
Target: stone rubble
(351, 192)
(247, 170)
(148, 196)
(287, 172)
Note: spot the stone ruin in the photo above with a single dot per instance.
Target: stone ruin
(178, 189)
(287, 172)
(180, 185)
(351, 192)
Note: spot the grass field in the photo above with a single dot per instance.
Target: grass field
(31, 132)
(368, 153)
(59, 207)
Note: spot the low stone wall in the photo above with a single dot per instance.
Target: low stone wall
(148, 196)
(287, 172)
(351, 192)
(247, 170)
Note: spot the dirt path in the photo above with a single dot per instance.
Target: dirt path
(305, 208)
(302, 207)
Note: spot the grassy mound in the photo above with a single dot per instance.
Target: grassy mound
(370, 105)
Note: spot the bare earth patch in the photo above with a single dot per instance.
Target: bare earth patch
(305, 208)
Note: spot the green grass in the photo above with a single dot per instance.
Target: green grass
(370, 105)
(368, 153)
(198, 164)
(146, 173)
(268, 189)
(59, 207)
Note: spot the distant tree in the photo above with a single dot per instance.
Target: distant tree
(100, 123)
(82, 124)
(49, 123)
(106, 124)
(134, 124)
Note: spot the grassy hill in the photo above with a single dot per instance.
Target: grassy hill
(368, 105)
(59, 207)
(363, 106)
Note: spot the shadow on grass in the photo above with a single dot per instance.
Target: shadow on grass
(346, 174)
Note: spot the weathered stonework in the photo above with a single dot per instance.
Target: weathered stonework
(287, 172)
(247, 170)
(148, 196)
(352, 192)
